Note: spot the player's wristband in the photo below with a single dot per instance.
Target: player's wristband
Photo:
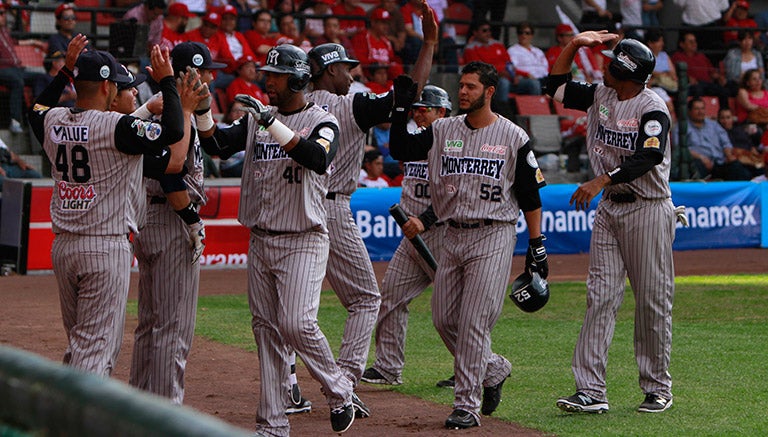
(143, 112)
(205, 121)
(280, 132)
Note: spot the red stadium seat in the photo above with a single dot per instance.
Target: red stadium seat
(532, 105)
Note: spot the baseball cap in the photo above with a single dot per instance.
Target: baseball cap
(380, 14)
(228, 10)
(97, 66)
(563, 28)
(63, 7)
(135, 80)
(742, 4)
(192, 54)
(213, 18)
(180, 10)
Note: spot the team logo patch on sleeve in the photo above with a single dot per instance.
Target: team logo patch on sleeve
(531, 159)
(652, 143)
(326, 133)
(539, 176)
(325, 143)
(652, 128)
(40, 108)
(153, 131)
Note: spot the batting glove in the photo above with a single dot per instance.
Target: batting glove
(680, 215)
(536, 257)
(405, 93)
(257, 109)
(196, 239)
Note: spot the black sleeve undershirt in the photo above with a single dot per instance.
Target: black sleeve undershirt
(649, 149)
(371, 109)
(526, 187)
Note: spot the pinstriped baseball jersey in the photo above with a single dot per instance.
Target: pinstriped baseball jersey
(272, 181)
(345, 168)
(415, 197)
(195, 175)
(99, 190)
(475, 169)
(614, 127)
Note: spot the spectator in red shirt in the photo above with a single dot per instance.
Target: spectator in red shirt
(484, 48)
(238, 45)
(260, 39)
(737, 16)
(396, 23)
(378, 81)
(174, 25)
(703, 78)
(289, 33)
(208, 34)
(350, 7)
(332, 34)
(585, 57)
(12, 73)
(313, 27)
(373, 47)
(245, 82)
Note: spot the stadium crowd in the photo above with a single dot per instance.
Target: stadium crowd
(385, 36)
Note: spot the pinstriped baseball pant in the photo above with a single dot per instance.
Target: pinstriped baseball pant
(93, 274)
(406, 278)
(470, 285)
(629, 240)
(168, 290)
(351, 276)
(285, 275)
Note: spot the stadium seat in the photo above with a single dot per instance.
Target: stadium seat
(31, 57)
(544, 131)
(564, 112)
(711, 106)
(532, 105)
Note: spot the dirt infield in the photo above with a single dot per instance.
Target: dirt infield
(223, 381)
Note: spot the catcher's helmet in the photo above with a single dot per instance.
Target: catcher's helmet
(434, 97)
(530, 292)
(320, 57)
(289, 59)
(631, 60)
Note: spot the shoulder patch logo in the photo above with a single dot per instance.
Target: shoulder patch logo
(531, 159)
(652, 128)
(604, 112)
(153, 131)
(652, 143)
(453, 145)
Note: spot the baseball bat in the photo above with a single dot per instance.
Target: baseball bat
(400, 217)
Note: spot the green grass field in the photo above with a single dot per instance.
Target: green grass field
(719, 358)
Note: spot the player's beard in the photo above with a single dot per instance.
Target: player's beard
(474, 105)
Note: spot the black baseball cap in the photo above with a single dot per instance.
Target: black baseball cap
(135, 79)
(97, 66)
(192, 54)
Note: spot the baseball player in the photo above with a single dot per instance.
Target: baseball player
(96, 158)
(349, 270)
(125, 103)
(288, 149)
(482, 172)
(407, 273)
(169, 274)
(628, 138)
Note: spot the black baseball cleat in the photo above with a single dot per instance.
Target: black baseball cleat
(460, 419)
(654, 403)
(303, 406)
(342, 418)
(582, 403)
(373, 376)
(361, 410)
(491, 398)
(450, 382)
